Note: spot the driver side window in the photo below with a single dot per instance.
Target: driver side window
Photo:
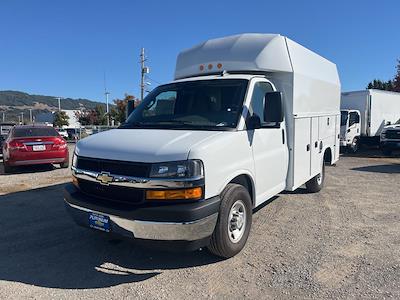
(258, 98)
(354, 118)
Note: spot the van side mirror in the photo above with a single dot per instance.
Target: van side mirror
(253, 122)
(273, 109)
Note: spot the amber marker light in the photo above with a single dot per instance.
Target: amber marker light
(210, 66)
(219, 66)
(75, 181)
(184, 194)
(201, 67)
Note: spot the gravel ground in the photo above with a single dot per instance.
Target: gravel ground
(341, 243)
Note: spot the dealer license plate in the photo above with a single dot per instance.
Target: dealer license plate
(39, 147)
(100, 222)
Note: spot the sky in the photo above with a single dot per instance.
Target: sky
(64, 48)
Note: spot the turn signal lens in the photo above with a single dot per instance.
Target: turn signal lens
(188, 194)
(75, 181)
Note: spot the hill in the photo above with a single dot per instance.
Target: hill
(13, 103)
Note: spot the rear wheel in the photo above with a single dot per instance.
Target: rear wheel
(315, 184)
(64, 165)
(234, 222)
(7, 168)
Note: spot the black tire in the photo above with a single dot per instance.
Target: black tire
(7, 169)
(221, 243)
(355, 146)
(64, 165)
(315, 184)
(387, 152)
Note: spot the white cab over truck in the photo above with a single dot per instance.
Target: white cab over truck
(247, 117)
(364, 114)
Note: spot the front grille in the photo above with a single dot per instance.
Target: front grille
(116, 167)
(393, 134)
(112, 193)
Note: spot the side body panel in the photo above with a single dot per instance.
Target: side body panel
(385, 107)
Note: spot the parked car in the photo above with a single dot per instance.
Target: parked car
(247, 117)
(2, 138)
(31, 145)
(390, 138)
(63, 133)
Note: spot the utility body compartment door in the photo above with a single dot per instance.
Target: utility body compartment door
(302, 151)
(316, 149)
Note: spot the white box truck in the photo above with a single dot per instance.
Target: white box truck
(364, 114)
(247, 117)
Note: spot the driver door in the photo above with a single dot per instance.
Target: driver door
(269, 148)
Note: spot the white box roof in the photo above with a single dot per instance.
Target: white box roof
(249, 52)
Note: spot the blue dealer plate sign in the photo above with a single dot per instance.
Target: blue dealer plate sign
(100, 222)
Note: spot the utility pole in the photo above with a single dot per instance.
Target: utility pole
(106, 93)
(30, 114)
(4, 117)
(144, 70)
(59, 103)
(22, 118)
(107, 109)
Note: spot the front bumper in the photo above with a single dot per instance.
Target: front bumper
(36, 161)
(392, 145)
(190, 224)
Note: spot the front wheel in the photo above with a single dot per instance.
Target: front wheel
(355, 145)
(315, 184)
(234, 222)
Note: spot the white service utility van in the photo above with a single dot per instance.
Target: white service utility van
(364, 114)
(247, 117)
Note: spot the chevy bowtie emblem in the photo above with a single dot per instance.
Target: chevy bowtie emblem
(105, 178)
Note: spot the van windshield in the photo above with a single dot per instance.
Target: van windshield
(203, 104)
(344, 115)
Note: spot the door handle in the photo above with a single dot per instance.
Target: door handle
(283, 136)
(308, 147)
(316, 144)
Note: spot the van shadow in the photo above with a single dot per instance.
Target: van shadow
(385, 169)
(42, 246)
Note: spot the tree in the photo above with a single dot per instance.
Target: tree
(118, 113)
(381, 85)
(60, 119)
(94, 116)
(390, 85)
(396, 80)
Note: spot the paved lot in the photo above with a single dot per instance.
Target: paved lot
(341, 243)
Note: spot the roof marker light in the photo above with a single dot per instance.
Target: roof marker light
(210, 66)
(201, 67)
(219, 66)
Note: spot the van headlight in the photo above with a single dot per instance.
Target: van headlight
(74, 160)
(192, 168)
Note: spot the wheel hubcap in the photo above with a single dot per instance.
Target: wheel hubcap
(237, 221)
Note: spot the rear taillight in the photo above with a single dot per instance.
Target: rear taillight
(16, 145)
(59, 143)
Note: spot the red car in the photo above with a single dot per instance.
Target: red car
(32, 145)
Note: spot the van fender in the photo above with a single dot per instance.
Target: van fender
(236, 174)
